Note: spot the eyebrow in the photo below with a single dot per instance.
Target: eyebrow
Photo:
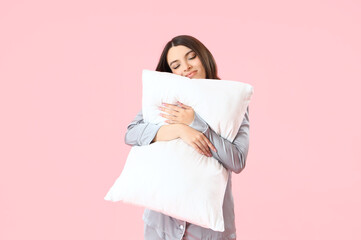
(178, 60)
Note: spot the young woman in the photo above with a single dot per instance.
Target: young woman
(187, 56)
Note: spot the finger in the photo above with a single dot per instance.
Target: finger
(170, 111)
(173, 107)
(205, 146)
(195, 146)
(210, 144)
(183, 105)
(203, 149)
(168, 104)
(164, 115)
(169, 117)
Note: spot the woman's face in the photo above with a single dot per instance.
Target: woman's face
(184, 61)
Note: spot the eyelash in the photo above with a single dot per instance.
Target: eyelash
(190, 58)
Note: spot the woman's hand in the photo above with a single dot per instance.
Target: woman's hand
(183, 114)
(197, 140)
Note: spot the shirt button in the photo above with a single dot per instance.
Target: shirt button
(181, 227)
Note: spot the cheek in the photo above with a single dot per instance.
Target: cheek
(199, 64)
(176, 71)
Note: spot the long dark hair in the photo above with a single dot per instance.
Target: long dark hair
(202, 52)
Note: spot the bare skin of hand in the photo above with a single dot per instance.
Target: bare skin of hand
(185, 116)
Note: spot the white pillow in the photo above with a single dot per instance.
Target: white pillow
(170, 176)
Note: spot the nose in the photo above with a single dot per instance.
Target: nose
(188, 66)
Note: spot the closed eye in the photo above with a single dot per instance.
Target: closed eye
(189, 59)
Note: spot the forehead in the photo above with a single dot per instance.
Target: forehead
(177, 52)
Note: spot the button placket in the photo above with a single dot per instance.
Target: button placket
(181, 227)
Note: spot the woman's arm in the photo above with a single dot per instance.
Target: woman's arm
(143, 133)
(139, 132)
(232, 155)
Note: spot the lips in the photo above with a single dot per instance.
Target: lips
(191, 74)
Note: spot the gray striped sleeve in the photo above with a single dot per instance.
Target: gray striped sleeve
(232, 155)
(140, 133)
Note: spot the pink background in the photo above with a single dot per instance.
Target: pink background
(71, 82)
